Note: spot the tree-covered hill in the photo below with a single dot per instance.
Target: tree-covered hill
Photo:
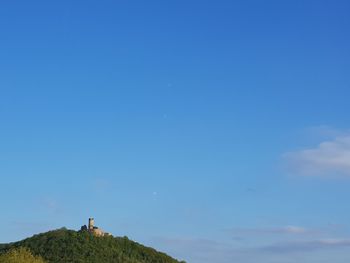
(20, 255)
(62, 246)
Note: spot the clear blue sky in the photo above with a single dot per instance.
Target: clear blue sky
(216, 131)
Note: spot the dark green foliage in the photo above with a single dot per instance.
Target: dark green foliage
(62, 246)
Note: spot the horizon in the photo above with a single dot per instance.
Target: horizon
(211, 131)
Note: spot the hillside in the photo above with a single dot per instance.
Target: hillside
(62, 246)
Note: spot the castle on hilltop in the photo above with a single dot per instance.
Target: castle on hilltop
(94, 229)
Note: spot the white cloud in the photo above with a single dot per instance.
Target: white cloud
(284, 251)
(307, 246)
(331, 157)
(295, 230)
(271, 230)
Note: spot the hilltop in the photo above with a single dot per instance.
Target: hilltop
(63, 245)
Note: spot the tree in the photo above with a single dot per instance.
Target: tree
(20, 255)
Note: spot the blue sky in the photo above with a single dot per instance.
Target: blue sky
(216, 131)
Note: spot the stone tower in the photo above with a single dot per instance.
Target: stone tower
(91, 224)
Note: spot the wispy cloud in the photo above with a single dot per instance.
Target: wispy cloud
(271, 230)
(306, 246)
(285, 251)
(331, 157)
(287, 244)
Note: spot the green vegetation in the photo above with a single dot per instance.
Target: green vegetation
(20, 255)
(62, 246)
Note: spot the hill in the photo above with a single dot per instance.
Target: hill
(62, 246)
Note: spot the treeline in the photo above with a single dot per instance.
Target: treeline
(62, 246)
